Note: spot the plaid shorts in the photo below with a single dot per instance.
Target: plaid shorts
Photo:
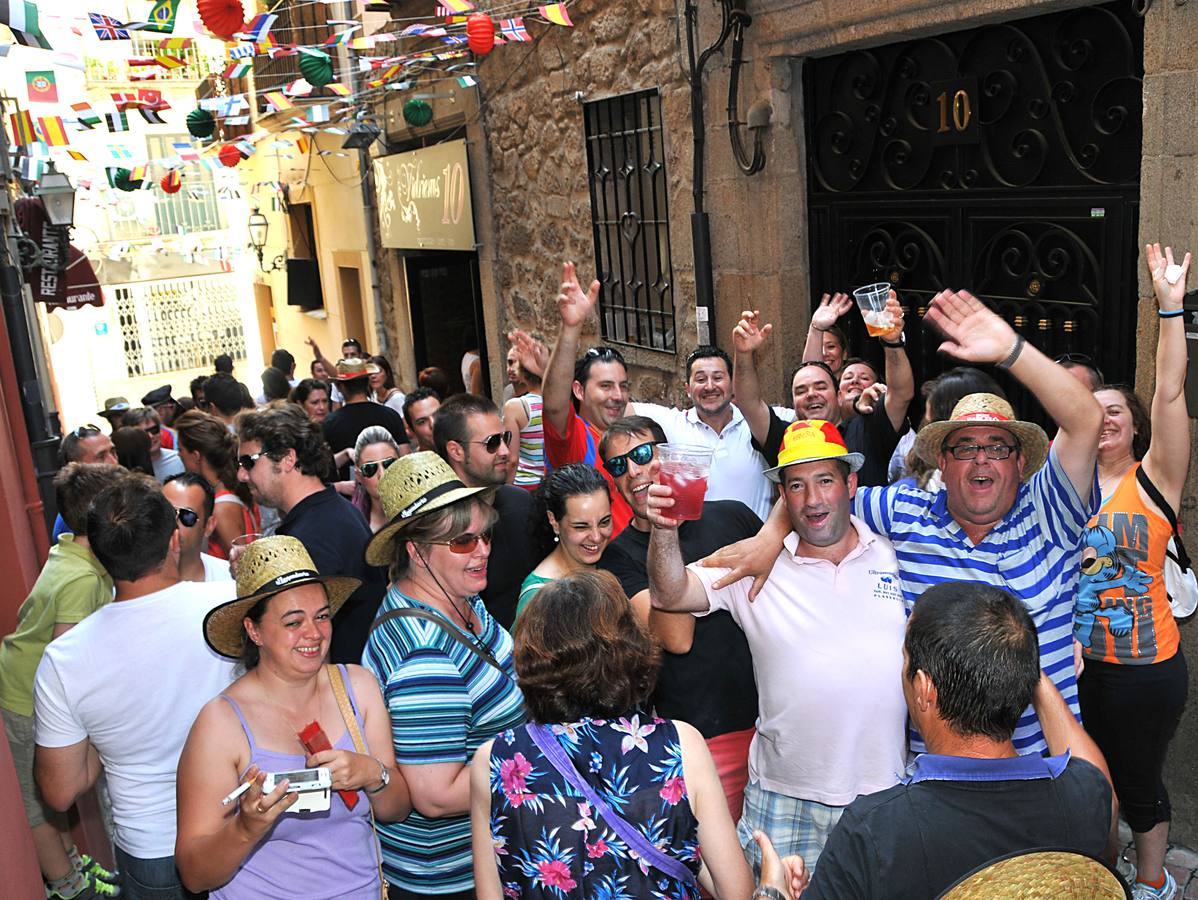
(793, 825)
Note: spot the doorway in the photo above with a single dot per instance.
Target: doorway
(447, 313)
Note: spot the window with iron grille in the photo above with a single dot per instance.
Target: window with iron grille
(194, 208)
(630, 215)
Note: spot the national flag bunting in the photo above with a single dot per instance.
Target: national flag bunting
(151, 99)
(54, 132)
(449, 7)
(32, 169)
(143, 76)
(174, 44)
(22, 127)
(124, 101)
(513, 29)
(185, 151)
(162, 17)
(241, 51)
(108, 28)
(21, 17)
(152, 116)
(87, 115)
(278, 101)
(173, 181)
(336, 87)
(341, 38)
(169, 62)
(119, 151)
(260, 27)
(41, 87)
(76, 155)
(556, 13)
(238, 70)
(116, 121)
(467, 81)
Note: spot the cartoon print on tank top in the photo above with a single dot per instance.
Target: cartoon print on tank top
(1112, 587)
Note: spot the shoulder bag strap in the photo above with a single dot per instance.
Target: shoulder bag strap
(1183, 558)
(446, 626)
(552, 750)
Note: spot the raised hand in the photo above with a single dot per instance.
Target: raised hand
(829, 310)
(895, 309)
(1168, 295)
(532, 354)
(975, 333)
(573, 305)
(749, 333)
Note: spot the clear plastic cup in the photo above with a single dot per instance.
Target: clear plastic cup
(871, 300)
(237, 547)
(684, 467)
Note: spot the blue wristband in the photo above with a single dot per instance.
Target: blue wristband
(1171, 313)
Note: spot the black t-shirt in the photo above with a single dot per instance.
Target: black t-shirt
(712, 686)
(511, 554)
(341, 428)
(335, 535)
(917, 840)
(872, 435)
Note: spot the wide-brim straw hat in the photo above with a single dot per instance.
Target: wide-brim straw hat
(1041, 875)
(353, 367)
(267, 567)
(415, 485)
(984, 409)
(810, 440)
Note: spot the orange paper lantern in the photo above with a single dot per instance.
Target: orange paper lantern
(223, 18)
(171, 182)
(480, 33)
(229, 155)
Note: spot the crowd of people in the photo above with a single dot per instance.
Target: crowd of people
(493, 664)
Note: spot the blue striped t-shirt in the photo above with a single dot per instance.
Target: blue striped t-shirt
(1033, 553)
(445, 702)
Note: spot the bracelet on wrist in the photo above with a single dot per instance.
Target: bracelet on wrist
(1009, 361)
(894, 345)
(770, 893)
(1170, 313)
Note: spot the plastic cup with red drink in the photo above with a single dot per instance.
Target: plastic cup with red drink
(684, 467)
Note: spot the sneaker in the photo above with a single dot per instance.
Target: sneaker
(1167, 891)
(93, 889)
(97, 871)
(1126, 869)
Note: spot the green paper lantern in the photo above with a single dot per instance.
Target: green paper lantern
(122, 180)
(417, 113)
(317, 70)
(200, 123)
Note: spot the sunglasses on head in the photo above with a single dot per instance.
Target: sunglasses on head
(187, 517)
(85, 431)
(466, 543)
(1080, 359)
(641, 454)
(492, 441)
(368, 469)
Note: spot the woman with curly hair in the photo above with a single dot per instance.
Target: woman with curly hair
(209, 449)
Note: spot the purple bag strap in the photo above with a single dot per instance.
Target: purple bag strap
(549, 746)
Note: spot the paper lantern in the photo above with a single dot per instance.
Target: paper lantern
(122, 180)
(171, 182)
(417, 112)
(480, 33)
(223, 18)
(200, 123)
(229, 155)
(317, 70)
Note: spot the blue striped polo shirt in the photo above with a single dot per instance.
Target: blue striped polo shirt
(1033, 553)
(445, 702)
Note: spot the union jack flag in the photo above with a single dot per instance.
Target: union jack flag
(108, 28)
(513, 29)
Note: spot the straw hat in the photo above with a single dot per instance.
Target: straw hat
(416, 484)
(267, 567)
(112, 406)
(808, 440)
(348, 369)
(985, 409)
(1041, 875)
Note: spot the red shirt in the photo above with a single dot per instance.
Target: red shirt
(581, 445)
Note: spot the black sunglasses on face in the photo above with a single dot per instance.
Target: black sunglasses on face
(466, 543)
(248, 460)
(368, 469)
(641, 454)
(153, 429)
(492, 441)
(187, 517)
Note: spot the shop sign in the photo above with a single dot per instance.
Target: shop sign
(424, 199)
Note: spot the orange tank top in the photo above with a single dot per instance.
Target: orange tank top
(1122, 613)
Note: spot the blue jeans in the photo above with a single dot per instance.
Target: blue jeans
(150, 879)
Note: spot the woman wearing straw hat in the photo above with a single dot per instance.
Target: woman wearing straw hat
(250, 846)
(445, 666)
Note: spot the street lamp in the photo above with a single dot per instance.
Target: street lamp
(258, 227)
(58, 197)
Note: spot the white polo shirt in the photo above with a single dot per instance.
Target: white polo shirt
(736, 468)
(827, 645)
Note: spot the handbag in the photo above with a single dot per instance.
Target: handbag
(355, 733)
(552, 751)
(449, 628)
(1181, 585)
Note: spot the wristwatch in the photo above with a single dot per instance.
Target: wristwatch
(386, 780)
(770, 893)
(896, 345)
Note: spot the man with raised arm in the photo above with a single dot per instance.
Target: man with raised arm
(814, 392)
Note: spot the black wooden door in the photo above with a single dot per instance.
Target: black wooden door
(1004, 160)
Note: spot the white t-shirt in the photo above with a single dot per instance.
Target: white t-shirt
(132, 677)
(827, 645)
(215, 569)
(166, 464)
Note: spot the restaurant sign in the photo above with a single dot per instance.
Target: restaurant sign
(424, 199)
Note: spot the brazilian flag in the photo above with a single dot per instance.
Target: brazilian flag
(162, 17)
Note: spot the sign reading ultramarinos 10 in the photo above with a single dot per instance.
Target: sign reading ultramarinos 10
(424, 198)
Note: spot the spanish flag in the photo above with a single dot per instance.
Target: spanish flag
(22, 128)
(54, 132)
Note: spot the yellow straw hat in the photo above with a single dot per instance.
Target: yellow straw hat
(266, 567)
(984, 409)
(1041, 875)
(808, 440)
(348, 369)
(417, 484)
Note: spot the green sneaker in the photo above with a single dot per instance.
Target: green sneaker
(93, 889)
(97, 871)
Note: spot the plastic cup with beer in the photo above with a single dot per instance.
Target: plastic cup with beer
(684, 467)
(871, 300)
(237, 547)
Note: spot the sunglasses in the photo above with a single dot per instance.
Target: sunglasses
(1080, 359)
(604, 353)
(466, 543)
(85, 431)
(492, 441)
(153, 429)
(187, 517)
(248, 460)
(368, 469)
(641, 454)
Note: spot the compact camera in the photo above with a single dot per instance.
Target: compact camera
(312, 785)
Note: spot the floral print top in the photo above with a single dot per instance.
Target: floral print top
(550, 843)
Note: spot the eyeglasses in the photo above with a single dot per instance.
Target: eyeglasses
(153, 429)
(187, 517)
(85, 431)
(641, 454)
(1080, 359)
(466, 543)
(248, 460)
(492, 441)
(992, 451)
(368, 469)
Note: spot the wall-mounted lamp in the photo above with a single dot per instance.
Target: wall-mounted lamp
(258, 227)
(58, 197)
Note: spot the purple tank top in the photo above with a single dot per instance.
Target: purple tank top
(314, 855)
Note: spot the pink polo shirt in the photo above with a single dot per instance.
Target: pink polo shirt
(827, 645)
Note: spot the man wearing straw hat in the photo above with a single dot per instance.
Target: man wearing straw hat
(825, 636)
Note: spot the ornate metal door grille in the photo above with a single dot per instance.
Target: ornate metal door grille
(630, 216)
(1024, 190)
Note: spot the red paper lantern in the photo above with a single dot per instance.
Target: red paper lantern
(480, 33)
(223, 18)
(171, 182)
(229, 155)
